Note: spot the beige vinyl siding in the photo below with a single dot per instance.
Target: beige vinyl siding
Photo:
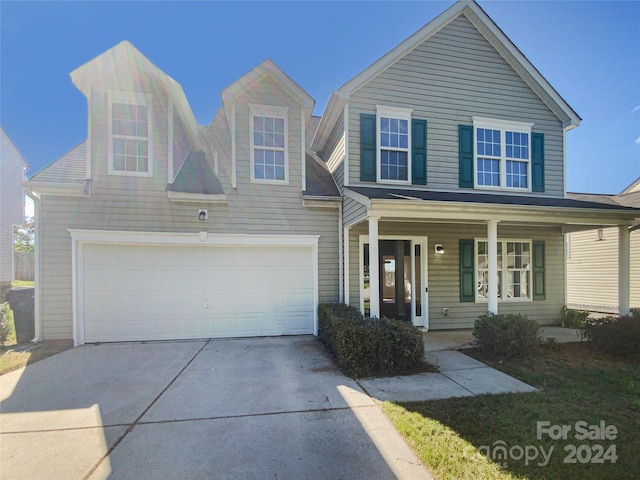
(353, 211)
(455, 75)
(338, 175)
(592, 270)
(141, 204)
(444, 271)
(333, 151)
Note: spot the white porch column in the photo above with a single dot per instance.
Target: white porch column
(345, 265)
(492, 250)
(374, 269)
(623, 270)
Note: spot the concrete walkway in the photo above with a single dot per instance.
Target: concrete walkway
(459, 376)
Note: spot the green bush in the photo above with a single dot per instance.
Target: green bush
(364, 347)
(615, 335)
(6, 323)
(573, 318)
(510, 335)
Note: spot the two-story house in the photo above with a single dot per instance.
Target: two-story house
(432, 189)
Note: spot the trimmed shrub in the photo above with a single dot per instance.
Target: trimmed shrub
(573, 318)
(509, 335)
(616, 335)
(370, 347)
(6, 321)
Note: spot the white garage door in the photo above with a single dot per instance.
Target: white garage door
(142, 292)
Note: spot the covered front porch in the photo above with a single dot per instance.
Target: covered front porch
(441, 260)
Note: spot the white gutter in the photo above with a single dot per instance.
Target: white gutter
(37, 266)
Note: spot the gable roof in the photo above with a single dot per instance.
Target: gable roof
(125, 54)
(494, 35)
(268, 68)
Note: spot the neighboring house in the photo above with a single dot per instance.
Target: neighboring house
(432, 189)
(592, 259)
(12, 174)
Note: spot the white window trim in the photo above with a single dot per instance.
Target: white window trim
(503, 126)
(274, 112)
(502, 298)
(401, 114)
(131, 98)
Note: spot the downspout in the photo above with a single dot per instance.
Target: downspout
(37, 266)
(340, 254)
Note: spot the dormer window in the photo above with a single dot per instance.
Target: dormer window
(269, 144)
(502, 154)
(130, 134)
(394, 140)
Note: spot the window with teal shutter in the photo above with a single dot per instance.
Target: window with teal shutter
(465, 152)
(367, 147)
(419, 152)
(537, 162)
(467, 274)
(539, 288)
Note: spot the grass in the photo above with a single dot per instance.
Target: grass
(576, 384)
(11, 358)
(22, 283)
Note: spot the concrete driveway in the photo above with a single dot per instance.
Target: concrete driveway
(242, 408)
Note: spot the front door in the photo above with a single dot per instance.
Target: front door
(395, 278)
(403, 278)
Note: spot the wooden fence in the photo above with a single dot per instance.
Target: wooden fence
(23, 266)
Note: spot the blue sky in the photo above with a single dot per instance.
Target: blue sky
(589, 51)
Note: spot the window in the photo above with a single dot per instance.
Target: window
(514, 270)
(130, 127)
(269, 149)
(394, 139)
(502, 154)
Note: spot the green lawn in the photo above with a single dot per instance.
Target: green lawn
(577, 385)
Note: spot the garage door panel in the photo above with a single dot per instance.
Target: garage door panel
(137, 292)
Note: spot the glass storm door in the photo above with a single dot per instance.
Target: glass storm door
(403, 279)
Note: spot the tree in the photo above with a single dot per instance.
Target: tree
(23, 236)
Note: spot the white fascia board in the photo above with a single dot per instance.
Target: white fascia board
(321, 202)
(197, 238)
(335, 106)
(364, 200)
(196, 197)
(481, 15)
(401, 50)
(58, 189)
(473, 11)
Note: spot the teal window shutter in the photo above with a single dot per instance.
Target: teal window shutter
(539, 291)
(367, 147)
(467, 274)
(465, 153)
(537, 162)
(418, 152)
